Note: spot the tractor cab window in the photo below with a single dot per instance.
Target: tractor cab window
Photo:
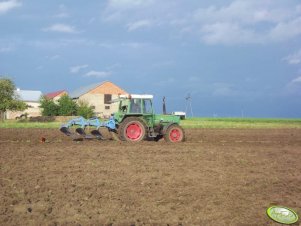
(135, 106)
(123, 106)
(147, 107)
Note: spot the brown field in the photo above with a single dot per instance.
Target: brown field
(216, 177)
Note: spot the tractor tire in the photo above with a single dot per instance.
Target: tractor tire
(174, 134)
(132, 129)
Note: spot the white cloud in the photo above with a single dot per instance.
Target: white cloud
(227, 33)
(164, 64)
(127, 4)
(62, 13)
(194, 79)
(134, 45)
(298, 8)
(294, 58)
(248, 22)
(9, 5)
(8, 45)
(117, 10)
(54, 57)
(98, 74)
(223, 89)
(285, 30)
(165, 82)
(228, 23)
(235, 33)
(297, 80)
(92, 73)
(91, 20)
(139, 24)
(40, 67)
(293, 87)
(244, 12)
(63, 28)
(77, 68)
(5, 49)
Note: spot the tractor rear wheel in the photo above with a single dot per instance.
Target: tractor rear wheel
(174, 133)
(132, 129)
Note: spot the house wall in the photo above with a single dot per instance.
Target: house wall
(96, 98)
(33, 111)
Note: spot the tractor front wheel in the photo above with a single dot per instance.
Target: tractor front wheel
(174, 133)
(132, 129)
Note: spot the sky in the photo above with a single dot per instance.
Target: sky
(233, 58)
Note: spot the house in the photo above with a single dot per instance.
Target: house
(32, 99)
(99, 96)
(55, 96)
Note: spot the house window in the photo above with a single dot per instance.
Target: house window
(107, 98)
(93, 107)
(107, 107)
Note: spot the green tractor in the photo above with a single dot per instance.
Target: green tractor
(134, 121)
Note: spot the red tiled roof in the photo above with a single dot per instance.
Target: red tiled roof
(54, 94)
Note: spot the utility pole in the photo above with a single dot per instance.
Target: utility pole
(188, 105)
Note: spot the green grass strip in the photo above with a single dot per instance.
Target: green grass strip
(240, 123)
(187, 123)
(41, 125)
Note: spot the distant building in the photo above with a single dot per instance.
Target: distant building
(99, 96)
(56, 95)
(32, 99)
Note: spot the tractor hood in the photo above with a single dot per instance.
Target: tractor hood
(167, 119)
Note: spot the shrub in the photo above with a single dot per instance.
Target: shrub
(85, 110)
(67, 106)
(49, 107)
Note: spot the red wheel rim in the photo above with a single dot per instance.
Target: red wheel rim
(175, 135)
(134, 131)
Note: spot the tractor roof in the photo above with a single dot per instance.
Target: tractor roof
(136, 96)
(132, 96)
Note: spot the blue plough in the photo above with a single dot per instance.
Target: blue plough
(84, 123)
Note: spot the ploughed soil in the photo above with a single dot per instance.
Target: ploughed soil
(216, 177)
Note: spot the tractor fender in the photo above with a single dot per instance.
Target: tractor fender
(138, 116)
(167, 126)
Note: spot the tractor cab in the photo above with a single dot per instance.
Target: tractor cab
(134, 105)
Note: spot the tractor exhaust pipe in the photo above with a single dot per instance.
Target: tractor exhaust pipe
(164, 106)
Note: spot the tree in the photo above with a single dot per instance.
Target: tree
(49, 107)
(8, 97)
(67, 106)
(84, 109)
